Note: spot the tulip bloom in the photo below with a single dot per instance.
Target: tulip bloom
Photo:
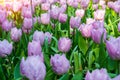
(97, 75)
(59, 64)
(48, 36)
(5, 48)
(33, 68)
(99, 15)
(113, 48)
(64, 44)
(45, 18)
(62, 18)
(80, 13)
(6, 25)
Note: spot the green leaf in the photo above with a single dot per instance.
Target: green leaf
(17, 74)
(50, 75)
(2, 76)
(91, 59)
(78, 76)
(64, 77)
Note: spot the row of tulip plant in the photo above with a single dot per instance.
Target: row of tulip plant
(60, 40)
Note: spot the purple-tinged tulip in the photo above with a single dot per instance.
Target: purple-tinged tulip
(17, 5)
(36, 2)
(97, 32)
(69, 2)
(113, 48)
(75, 4)
(63, 8)
(34, 48)
(45, 18)
(27, 23)
(48, 36)
(86, 30)
(84, 3)
(45, 6)
(60, 64)
(27, 31)
(3, 16)
(119, 26)
(62, 17)
(64, 44)
(39, 36)
(95, 1)
(116, 78)
(6, 25)
(5, 48)
(99, 15)
(90, 20)
(95, 6)
(33, 68)
(62, 2)
(97, 75)
(80, 12)
(54, 12)
(16, 34)
(110, 4)
(75, 22)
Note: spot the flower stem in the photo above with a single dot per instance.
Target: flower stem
(118, 67)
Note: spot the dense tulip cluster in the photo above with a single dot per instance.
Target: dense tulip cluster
(60, 39)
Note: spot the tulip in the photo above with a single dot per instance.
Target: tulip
(5, 48)
(39, 36)
(16, 34)
(62, 18)
(45, 18)
(75, 22)
(3, 16)
(64, 44)
(90, 20)
(33, 68)
(80, 13)
(27, 23)
(86, 30)
(97, 75)
(60, 64)
(48, 36)
(97, 32)
(119, 26)
(45, 6)
(6, 25)
(116, 78)
(113, 48)
(34, 48)
(84, 3)
(54, 12)
(17, 5)
(99, 15)
(95, 1)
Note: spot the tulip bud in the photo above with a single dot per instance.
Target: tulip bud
(97, 75)
(64, 44)
(86, 30)
(16, 34)
(6, 25)
(90, 21)
(45, 6)
(62, 18)
(33, 68)
(59, 64)
(48, 36)
(99, 15)
(45, 18)
(39, 36)
(84, 3)
(3, 16)
(54, 12)
(75, 22)
(80, 13)
(5, 48)
(27, 23)
(98, 31)
(113, 48)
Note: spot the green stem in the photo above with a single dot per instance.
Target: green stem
(118, 67)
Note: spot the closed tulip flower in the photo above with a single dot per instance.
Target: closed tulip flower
(45, 18)
(116, 78)
(17, 5)
(39, 36)
(80, 12)
(64, 44)
(99, 15)
(97, 32)
(97, 75)
(27, 23)
(7, 25)
(33, 68)
(90, 20)
(75, 22)
(34, 48)
(84, 3)
(113, 48)
(95, 1)
(86, 30)
(54, 12)
(45, 6)
(3, 16)
(119, 26)
(48, 36)
(16, 34)
(62, 18)
(60, 64)
(5, 48)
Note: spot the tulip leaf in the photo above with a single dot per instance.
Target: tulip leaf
(78, 76)
(17, 74)
(49, 75)
(64, 77)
